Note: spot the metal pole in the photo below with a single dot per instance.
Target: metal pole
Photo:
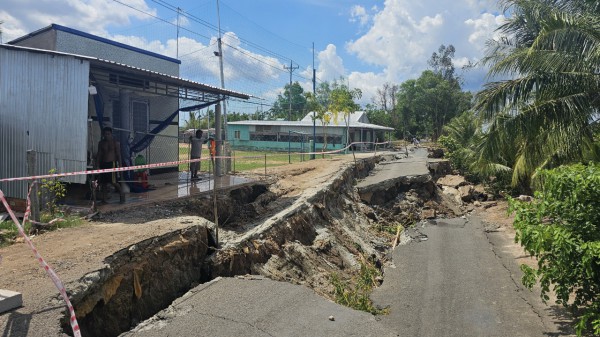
(314, 147)
(289, 147)
(220, 45)
(178, 11)
(218, 140)
(290, 93)
(265, 164)
(35, 198)
(215, 208)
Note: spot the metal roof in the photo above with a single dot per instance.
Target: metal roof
(93, 37)
(185, 89)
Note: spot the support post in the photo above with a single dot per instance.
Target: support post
(35, 198)
(218, 140)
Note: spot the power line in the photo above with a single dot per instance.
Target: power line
(159, 18)
(215, 28)
(261, 27)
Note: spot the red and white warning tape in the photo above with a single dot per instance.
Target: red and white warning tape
(164, 164)
(53, 276)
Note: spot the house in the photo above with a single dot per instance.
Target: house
(282, 135)
(60, 86)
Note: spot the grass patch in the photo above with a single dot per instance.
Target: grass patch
(355, 293)
(9, 232)
(248, 160)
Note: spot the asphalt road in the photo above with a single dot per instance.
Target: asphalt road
(260, 307)
(454, 283)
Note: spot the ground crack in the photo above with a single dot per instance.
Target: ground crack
(517, 283)
(235, 321)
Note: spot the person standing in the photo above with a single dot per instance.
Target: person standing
(109, 156)
(196, 153)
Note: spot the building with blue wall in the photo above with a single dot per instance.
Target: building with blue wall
(296, 135)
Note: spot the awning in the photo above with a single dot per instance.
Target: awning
(154, 83)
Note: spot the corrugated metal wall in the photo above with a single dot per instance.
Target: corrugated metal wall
(43, 107)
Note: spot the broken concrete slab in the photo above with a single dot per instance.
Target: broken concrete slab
(453, 193)
(466, 192)
(10, 300)
(428, 214)
(452, 181)
(390, 178)
(439, 167)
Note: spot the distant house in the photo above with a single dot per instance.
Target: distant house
(59, 86)
(280, 135)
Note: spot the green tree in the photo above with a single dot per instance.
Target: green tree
(550, 50)
(281, 107)
(561, 228)
(323, 92)
(342, 101)
(428, 103)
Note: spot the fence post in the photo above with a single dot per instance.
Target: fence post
(35, 198)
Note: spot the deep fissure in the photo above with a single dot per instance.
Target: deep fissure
(324, 234)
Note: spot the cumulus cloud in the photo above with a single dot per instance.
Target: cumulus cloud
(331, 65)
(359, 14)
(91, 16)
(403, 35)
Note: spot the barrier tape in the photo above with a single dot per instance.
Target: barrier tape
(163, 164)
(53, 276)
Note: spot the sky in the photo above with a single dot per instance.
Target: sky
(368, 42)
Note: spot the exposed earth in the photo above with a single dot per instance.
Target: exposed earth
(89, 258)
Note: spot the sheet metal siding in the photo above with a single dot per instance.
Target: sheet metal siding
(71, 43)
(43, 106)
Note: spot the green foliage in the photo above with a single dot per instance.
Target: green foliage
(9, 232)
(428, 103)
(281, 107)
(52, 190)
(355, 294)
(540, 117)
(561, 228)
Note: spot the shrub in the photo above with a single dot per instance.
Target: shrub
(52, 190)
(561, 228)
(355, 294)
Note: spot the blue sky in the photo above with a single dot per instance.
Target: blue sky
(368, 42)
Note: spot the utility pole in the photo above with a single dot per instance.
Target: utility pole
(223, 106)
(314, 144)
(291, 69)
(178, 12)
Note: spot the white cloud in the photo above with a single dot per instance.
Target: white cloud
(91, 16)
(394, 40)
(331, 65)
(403, 35)
(359, 14)
(483, 28)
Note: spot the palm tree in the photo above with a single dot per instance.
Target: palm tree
(542, 116)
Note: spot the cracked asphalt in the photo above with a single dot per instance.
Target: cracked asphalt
(454, 279)
(256, 306)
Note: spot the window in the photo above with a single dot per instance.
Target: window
(236, 134)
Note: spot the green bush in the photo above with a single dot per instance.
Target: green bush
(561, 228)
(52, 191)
